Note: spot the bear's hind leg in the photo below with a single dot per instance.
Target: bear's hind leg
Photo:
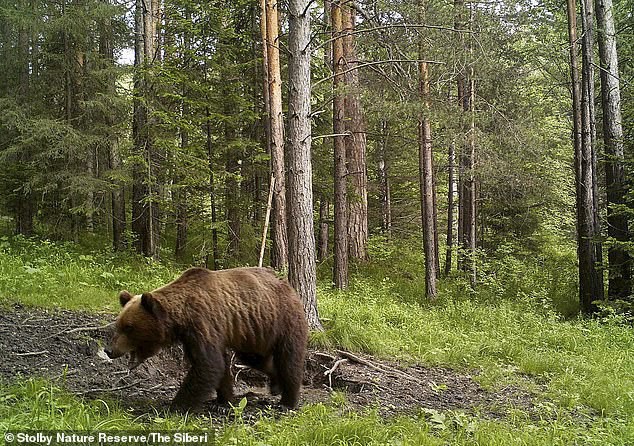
(289, 364)
(224, 391)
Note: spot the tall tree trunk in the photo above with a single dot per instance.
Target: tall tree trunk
(463, 104)
(279, 233)
(232, 195)
(212, 195)
(426, 169)
(589, 279)
(588, 117)
(620, 262)
(181, 192)
(470, 231)
(467, 183)
(144, 205)
(355, 142)
(322, 245)
(180, 202)
(24, 211)
(451, 158)
(117, 194)
(302, 272)
(340, 268)
(71, 111)
(384, 179)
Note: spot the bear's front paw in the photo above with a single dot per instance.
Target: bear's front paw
(178, 406)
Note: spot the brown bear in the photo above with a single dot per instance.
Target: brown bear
(247, 310)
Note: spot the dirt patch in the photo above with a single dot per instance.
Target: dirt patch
(65, 347)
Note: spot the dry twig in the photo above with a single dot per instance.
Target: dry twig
(383, 369)
(32, 353)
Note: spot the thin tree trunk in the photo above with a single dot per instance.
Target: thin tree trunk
(467, 231)
(322, 245)
(589, 279)
(426, 170)
(450, 205)
(212, 194)
(279, 233)
(24, 212)
(302, 272)
(355, 143)
(471, 216)
(620, 262)
(267, 218)
(144, 206)
(384, 177)
(117, 194)
(180, 192)
(340, 268)
(180, 202)
(463, 104)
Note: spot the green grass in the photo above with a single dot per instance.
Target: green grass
(516, 329)
(42, 273)
(37, 405)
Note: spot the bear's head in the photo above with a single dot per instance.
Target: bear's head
(139, 329)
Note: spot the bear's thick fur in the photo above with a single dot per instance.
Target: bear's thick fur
(247, 310)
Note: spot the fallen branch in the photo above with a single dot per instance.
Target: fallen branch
(32, 353)
(324, 355)
(384, 369)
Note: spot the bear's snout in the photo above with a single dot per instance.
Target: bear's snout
(112, 354)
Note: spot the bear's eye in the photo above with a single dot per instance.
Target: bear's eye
(127, 328)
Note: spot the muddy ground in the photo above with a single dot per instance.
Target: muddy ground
(67, 348)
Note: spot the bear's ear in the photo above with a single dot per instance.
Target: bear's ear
(124, 297)
(151, 305)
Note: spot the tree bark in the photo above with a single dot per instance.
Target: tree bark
(589, 279)
(470, 220)
(117, 194)
(144, 206)
(181, 192)
(302, 272)
(214, 264)
(340, 268)
(355, 143)
(467, 183)
(279, 233)
(426, 169)
(451, 158)
(620, 262)
(588, 117)
(322, 245)
(24, 211)
(384, 178)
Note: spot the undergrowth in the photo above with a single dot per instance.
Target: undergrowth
(518, 328)
(36, 405)
(63, 275)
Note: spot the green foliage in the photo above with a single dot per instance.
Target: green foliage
(42, 273)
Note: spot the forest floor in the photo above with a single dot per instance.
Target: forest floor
(67, 348)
